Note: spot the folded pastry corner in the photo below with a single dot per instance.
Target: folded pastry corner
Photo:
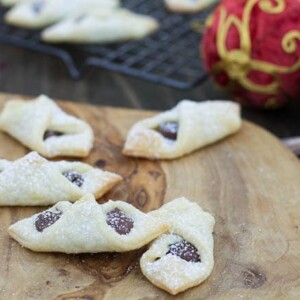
(188, 126)
(182, 258)
(42, 126)
(101, 26)
(32, 180)
(87, 227)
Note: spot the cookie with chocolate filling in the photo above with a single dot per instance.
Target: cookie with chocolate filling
(182, 258)
(33, 180)
(88, 227)
(42, 126)
(185, 128)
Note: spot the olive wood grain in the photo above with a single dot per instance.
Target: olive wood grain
(250, 182)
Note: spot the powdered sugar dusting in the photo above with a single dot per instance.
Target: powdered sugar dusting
(184, 257)
(31, 180)
(31, 121)
(74, 177)
(185, 251)
(172, 271)
(46, 219)
(119, 221)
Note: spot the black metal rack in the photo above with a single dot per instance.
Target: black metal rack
(169, 56)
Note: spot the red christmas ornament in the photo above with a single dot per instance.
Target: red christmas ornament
(252, 49)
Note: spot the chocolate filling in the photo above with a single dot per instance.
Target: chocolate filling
(38, 6)
(119, 221)
(168, 130)
(75, 177)
(185, 251)
(51, 133)
(46, 219)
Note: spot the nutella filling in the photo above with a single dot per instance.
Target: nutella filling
(46, 219)
(119, 221)
(168, 130)
(185, 251)
(74, 177)
(51, 133)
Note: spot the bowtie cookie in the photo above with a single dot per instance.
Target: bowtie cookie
(41, 13)
(87, 227)
(188, 6)
(183, 129)
(101, 26)
(182, 258)
(42, 126)
(32, 180)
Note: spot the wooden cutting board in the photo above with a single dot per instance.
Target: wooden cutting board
(250, 182)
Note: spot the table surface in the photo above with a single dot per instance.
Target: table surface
(254, 200)
(29, 73)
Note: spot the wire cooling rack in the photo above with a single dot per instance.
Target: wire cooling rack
(169, 56)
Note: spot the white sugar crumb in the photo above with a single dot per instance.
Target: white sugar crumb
(172, 270)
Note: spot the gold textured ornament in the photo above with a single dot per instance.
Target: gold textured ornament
(238, 63)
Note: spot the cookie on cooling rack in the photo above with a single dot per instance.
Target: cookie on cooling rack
(101, 26)
(40, 13)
